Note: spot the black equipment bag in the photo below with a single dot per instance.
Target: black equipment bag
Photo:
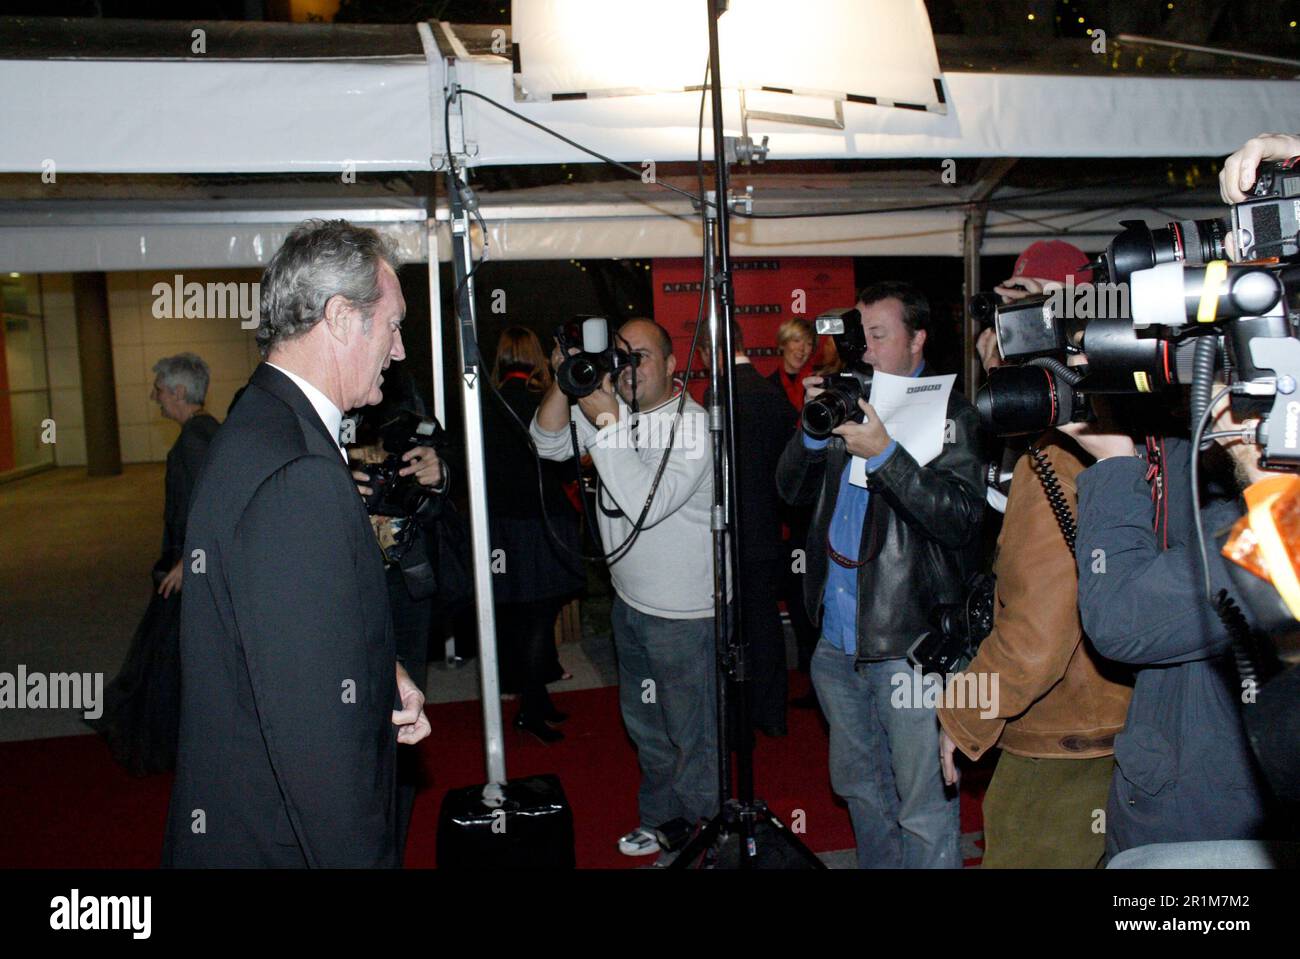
(531, 829)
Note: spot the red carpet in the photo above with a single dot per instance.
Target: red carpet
(65, 804)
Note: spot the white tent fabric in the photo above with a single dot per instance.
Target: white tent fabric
(382, 114)
(116, 116)
(563, 230)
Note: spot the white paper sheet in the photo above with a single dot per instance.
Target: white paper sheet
(915, 412)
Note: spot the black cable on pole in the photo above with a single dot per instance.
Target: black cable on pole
(991, 203)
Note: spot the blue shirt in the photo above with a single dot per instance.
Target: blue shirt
(840, 597)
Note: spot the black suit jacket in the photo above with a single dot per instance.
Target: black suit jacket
(764, 422)
(287, 747)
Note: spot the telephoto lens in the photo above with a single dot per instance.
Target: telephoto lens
(1028, 399)
(1138, 247)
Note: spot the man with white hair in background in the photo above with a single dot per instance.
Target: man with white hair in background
(141, 706)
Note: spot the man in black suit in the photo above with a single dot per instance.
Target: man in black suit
(764, 423)
(292, 700)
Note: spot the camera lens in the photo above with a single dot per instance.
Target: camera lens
(578, 376)
(1201, 240)
(1026, 399)
(822, 415)
(984, 307)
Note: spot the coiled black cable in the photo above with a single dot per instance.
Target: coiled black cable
(1234, 621)
(1055, 495)
(1202, 381)
(1069, 374)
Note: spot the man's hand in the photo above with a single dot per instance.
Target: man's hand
(600, 405)
(1100, 444)
(947, 760)
(866, 439)
(987, 347)
(412, 725)
(1019, 287)
(171, 583)
(362, 479)
(812, 387)
(1239, 170)
(423, 462)
(558, 355)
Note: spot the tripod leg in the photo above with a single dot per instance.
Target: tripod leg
(698, 846)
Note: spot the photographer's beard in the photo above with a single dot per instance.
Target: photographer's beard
(1245, 464)
(1243, 454)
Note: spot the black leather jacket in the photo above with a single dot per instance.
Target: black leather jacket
(920, 538)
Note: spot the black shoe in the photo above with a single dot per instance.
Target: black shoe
(555, 716)
(771, 731)
(539, 729)
(807, 701)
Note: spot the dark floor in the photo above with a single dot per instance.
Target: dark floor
(75, 556)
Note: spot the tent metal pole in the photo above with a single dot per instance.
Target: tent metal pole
(987, 179)
(435, 321)
(472, 373)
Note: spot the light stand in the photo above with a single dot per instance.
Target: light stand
(745, 834)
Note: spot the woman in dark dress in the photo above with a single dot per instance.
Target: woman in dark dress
(142, 705)
(536, 577)
(797, 341)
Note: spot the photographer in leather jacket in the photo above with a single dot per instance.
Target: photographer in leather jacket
(879, 559)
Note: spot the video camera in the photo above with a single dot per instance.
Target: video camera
(839, 403)
(580, 374)
(1169, 305)
(391, 494)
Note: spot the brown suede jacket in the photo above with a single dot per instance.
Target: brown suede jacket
(1056, 698)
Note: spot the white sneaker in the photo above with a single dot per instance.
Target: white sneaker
(639, 842)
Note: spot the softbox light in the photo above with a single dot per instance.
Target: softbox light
(861, 51)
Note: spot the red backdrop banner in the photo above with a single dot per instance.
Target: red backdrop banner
(768, 292)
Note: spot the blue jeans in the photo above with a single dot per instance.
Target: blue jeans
(1210, 854)
(885, 764)
(666, 692)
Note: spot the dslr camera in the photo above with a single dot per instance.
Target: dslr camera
(394, 495)
(1182, 316)
(957, 629)
(581, 373)
(1041, 331)
(839, 404)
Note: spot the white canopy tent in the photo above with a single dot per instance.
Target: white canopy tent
(349, 116)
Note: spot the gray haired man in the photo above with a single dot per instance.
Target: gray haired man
(292, 699)
(180, 388)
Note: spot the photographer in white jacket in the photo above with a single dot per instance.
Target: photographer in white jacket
(663, 609)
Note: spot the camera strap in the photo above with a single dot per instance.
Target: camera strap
(1155, 476)
(582, 486)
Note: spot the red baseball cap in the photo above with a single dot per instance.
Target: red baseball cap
(1053, 260)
